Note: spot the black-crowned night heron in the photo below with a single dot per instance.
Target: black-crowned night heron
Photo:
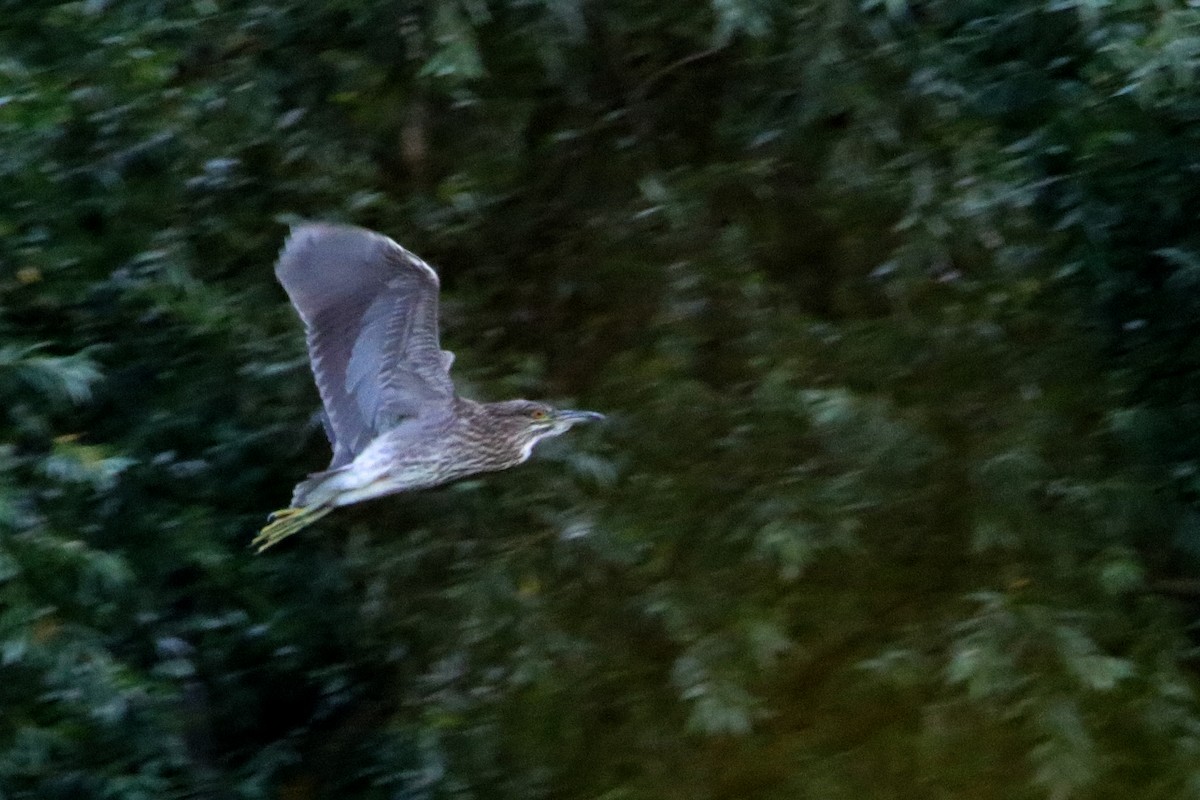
(370, 309)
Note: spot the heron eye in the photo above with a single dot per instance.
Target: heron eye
(538, 414)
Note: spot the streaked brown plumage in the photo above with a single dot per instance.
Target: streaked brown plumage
(394, 420)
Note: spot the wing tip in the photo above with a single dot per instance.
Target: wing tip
(303, 233)
(308, 233)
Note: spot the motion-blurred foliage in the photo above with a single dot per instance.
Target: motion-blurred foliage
(893, 304)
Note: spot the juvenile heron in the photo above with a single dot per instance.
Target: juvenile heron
(393, 418)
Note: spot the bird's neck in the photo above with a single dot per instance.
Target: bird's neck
(485, 434)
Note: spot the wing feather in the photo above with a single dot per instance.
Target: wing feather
(370, 310)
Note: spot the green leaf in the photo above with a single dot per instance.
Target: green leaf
(456, 56)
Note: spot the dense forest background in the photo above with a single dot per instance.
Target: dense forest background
(893, 305)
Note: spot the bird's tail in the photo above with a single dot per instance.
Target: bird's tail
(318, 488)
(284, 523)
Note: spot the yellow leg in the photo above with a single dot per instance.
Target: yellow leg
(283, 513)
(285, 522)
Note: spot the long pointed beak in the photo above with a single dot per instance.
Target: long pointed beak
(571, 417)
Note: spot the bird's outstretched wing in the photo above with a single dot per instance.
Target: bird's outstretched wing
(370, 309)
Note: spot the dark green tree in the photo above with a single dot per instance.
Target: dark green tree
(891, 304)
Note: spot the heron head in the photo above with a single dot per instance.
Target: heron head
(529, 422)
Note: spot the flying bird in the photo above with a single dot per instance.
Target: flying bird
(394, 420)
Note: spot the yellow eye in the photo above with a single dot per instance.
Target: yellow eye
(538, 415)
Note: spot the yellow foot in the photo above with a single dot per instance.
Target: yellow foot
(285, 522)
(283, 513)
